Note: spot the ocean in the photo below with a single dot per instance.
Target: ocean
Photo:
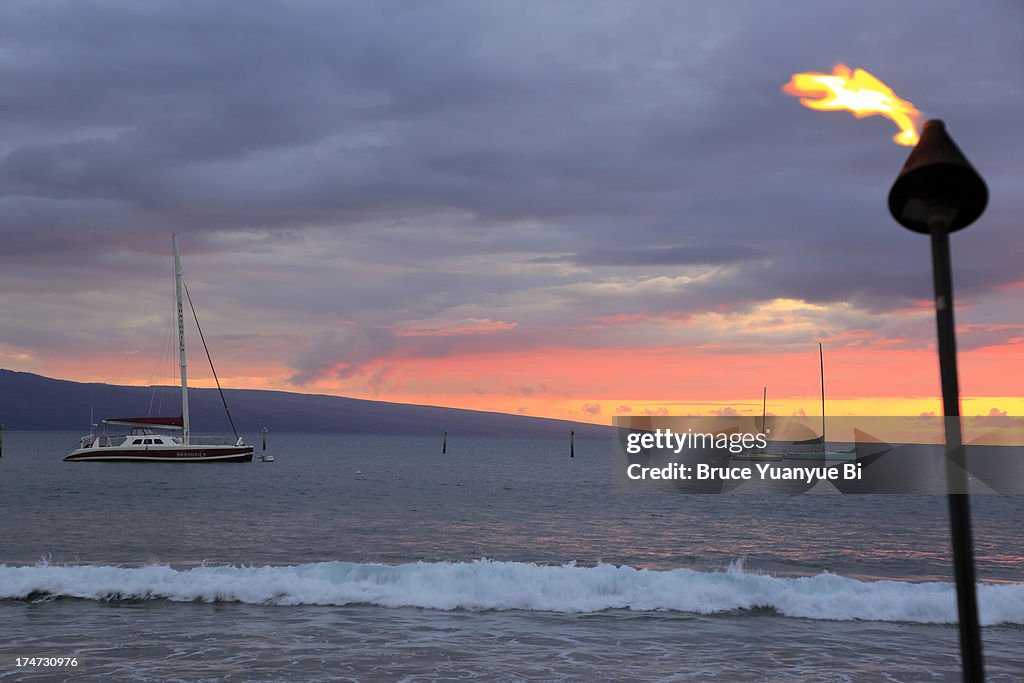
(377, 558)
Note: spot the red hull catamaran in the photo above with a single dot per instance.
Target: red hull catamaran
(146, 442)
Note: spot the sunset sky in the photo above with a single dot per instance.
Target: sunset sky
(573, 209)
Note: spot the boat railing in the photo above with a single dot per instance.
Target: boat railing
(210, 441)
(102, 441)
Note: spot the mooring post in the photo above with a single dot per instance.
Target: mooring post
(444, 444)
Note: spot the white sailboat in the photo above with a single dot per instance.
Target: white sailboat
(145, 442)
(823, 453)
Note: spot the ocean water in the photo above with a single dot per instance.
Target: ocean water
(378, 558)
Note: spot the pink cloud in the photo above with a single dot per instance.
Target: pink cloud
(654, 411)
(726, 412)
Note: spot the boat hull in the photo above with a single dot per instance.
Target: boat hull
(170, 454)
(829, 456)
(757, 457)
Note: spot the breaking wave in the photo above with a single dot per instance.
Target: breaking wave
(489, 585)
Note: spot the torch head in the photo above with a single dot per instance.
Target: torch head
(937, 184)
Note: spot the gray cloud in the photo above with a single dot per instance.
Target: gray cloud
(338, 167)
(660, 256)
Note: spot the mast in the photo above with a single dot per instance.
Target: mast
(764, 408)
(821, 362)
(181, 339)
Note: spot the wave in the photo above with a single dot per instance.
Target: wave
(490, 585)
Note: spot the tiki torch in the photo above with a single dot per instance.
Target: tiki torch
(936, 193)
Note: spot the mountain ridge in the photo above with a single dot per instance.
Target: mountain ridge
(30, 401)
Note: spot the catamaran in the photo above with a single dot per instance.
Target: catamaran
(146, 441)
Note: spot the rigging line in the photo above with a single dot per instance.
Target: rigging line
(215, 378)
(158, 278)
(124, 355)
(167, 360)
(161, 372)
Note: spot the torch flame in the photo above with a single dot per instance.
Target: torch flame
(858, 92)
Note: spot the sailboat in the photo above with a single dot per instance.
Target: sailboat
(824, 453)
(759, 454)
(146, 442)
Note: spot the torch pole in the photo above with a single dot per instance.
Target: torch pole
(959, 507)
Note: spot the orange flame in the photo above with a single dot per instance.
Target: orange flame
(858, 92)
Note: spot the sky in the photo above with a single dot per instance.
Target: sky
(575, 209)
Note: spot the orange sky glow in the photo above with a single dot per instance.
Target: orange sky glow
(595, 385)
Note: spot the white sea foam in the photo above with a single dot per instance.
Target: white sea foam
(489, 585)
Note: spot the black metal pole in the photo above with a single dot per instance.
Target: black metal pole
(959, 507)
(938, 192)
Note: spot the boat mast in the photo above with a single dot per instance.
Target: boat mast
(764, 408)
(821, 362)
(181, 339)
